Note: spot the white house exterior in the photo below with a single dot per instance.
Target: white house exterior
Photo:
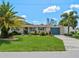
(66, 29)
(57, 30)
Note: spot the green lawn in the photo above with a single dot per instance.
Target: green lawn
(33, 43)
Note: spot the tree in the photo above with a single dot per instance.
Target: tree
(8, 19)
(69, 19)
(53, 22)
(48, 21)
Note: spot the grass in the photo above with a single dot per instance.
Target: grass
(32, 43)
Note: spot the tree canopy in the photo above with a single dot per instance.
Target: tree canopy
(8, 18)
(69, 19)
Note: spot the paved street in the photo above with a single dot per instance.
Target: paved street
(66, 54)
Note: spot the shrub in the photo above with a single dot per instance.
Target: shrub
(47, 33)
(68, 34)
(36, 33)
(33, 33)
(25, 32)
(76, 34)
(42, 33)
(15, 33)
(72, 32)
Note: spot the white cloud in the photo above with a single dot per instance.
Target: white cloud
(24, 16)
(74, 6)
(51, 9)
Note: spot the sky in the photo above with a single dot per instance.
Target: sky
(37, 11)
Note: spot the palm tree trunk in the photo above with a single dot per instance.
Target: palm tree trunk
(4, 33)
(68, 25)
(68, 29)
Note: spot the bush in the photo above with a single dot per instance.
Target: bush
(33, 33)
(76, 36)
(47, 33)
(68, 34)
(25, 32)
(36, 33)
(42, 33)
(73, 34)
(15, 33)
(78, 32)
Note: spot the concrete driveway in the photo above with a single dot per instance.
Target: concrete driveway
(70, 43)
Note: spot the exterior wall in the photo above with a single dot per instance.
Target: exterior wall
(61, 30)
(47, 28)
(66, 30)
(21, 31)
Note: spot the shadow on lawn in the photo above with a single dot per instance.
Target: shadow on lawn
(4, 42)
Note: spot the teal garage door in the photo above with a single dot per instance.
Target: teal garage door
(55, 31)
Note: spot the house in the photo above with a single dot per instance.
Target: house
(37, 28)
(56, 30)
(43, 28)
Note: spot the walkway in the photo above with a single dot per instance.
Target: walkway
(70, 43)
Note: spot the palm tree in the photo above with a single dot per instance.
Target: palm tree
(69, 19)
(8, 19)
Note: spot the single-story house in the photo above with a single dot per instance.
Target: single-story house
(56, 30)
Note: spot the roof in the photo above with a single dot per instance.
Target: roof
(37, 26)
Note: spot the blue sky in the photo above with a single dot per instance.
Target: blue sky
(36, 11)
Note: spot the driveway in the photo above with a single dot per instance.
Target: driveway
(70, 43)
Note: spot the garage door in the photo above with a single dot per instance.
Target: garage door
(55, 31)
